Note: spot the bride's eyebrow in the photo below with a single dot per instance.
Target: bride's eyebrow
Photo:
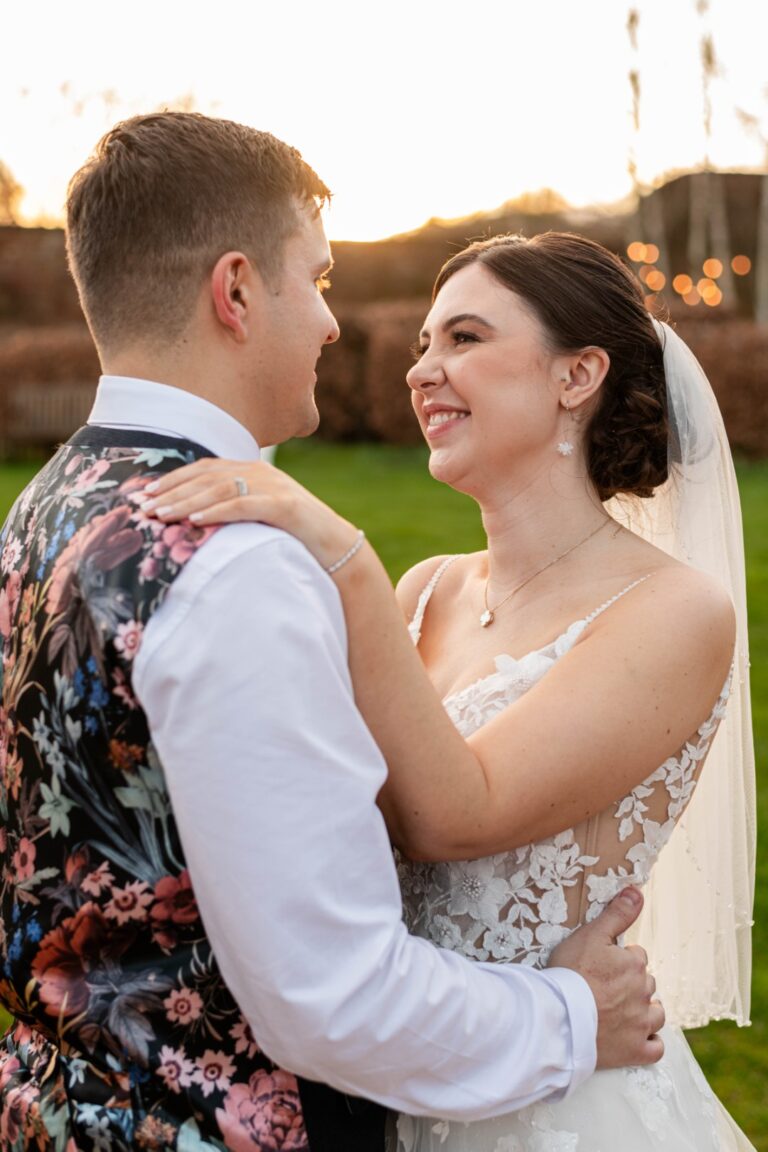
(462, 318)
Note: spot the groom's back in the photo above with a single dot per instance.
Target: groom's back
(126, 1035)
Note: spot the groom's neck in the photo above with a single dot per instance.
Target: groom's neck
(190, 365)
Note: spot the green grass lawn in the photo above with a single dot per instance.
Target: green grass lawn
(407, 516)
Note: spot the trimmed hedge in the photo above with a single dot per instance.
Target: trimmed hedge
(362, 394)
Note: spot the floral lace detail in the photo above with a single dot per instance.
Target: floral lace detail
(541, 1134)
(651, 1089)
(541, 1137)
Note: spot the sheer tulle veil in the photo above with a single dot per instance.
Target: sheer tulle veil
(696, 924)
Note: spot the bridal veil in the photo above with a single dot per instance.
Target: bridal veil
(696, 924)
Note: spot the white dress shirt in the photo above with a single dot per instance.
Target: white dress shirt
(273, 778)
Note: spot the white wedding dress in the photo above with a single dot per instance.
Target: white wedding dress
(515, 907)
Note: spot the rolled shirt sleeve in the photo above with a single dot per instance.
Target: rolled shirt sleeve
(273, 778)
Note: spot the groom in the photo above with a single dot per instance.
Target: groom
(200, 910)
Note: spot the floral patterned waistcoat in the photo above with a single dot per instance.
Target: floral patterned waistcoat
(125, 1035)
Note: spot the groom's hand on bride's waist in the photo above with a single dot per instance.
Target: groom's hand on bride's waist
(629, 1019)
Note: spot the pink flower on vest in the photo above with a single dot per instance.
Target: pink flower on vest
(213, 1071)
(24, 860)
(91, 476)
(183, 1005)
(264, 1114)
(128, 638)
(175, 899)
(20, 1109)
(183, 540)
(175, 1069)
(130, 903)
(9, 602)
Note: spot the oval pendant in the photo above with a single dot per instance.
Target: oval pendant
(486, 618)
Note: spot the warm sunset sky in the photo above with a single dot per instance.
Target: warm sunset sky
(408, 109)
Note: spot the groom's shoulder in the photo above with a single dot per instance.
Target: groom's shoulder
(256, 547)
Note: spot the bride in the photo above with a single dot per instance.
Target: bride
(549, 739)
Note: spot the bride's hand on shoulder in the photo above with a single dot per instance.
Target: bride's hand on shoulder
(215, 491)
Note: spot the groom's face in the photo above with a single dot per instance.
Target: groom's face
(297, 323)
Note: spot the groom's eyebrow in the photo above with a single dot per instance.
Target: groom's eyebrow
(461, 318)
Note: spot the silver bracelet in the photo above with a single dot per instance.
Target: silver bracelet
(348, 555)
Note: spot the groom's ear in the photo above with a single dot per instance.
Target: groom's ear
(234, 289)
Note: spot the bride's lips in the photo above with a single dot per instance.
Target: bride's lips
(439, 419)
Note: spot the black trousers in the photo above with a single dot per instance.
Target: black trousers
(339, 1123)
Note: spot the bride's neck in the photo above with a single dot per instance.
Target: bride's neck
(525, 533)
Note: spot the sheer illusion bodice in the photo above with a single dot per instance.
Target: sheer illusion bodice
(516, 906)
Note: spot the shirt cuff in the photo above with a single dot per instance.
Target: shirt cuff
(582, 1022)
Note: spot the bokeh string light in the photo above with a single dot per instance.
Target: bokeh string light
(682, 284)
(705, 290)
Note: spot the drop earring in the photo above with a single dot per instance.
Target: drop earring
(566, 445)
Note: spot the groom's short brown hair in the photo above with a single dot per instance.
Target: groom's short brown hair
(162, 197)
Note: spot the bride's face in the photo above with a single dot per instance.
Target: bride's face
(486, 388)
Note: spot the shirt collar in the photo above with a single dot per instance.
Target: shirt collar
(128, 402)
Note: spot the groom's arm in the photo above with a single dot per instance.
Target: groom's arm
(273, 778)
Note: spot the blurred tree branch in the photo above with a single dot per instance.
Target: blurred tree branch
(10, 196)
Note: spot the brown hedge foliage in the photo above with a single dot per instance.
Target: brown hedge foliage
(35, 362)
(734, 354)
(393, 327)
(62, 353)
(35, 285)
(362, 394)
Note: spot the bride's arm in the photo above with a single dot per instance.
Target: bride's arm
(625, 698)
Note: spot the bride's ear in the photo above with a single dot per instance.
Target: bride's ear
(582, 376)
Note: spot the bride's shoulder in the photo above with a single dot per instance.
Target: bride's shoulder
(686, 606)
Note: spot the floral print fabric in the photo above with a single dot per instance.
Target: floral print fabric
(126, 1035)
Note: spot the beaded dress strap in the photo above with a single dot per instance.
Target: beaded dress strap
(599, 611)
(418, 617)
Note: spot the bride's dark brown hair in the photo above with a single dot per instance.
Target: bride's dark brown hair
(584, 296)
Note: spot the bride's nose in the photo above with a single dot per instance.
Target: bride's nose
(426, 373)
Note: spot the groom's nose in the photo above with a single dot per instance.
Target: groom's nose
(333, 327)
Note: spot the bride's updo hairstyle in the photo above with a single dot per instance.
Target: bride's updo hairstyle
(584, 296)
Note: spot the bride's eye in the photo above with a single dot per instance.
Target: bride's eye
(464, 338)
(322, 284)
(417, 350)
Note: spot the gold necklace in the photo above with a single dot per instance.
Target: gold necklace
(489, 615)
